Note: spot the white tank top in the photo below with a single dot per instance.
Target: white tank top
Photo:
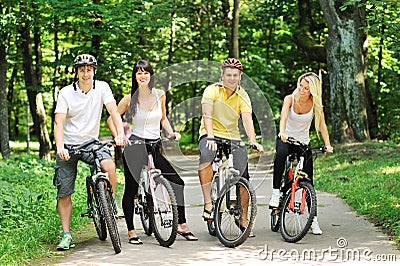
(298, 125)
(146, 124)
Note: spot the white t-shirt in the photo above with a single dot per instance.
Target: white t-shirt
(83, 111)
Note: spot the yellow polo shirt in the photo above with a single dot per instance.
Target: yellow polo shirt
(226, 111)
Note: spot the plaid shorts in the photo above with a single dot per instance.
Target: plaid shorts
(65, 171)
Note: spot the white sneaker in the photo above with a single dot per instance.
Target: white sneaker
(315, 227)
(274, 202)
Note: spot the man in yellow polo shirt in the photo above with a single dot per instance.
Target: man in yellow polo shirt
(222, 106)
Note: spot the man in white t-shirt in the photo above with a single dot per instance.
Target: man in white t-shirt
(77, 124)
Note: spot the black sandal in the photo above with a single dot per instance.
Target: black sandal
(135, 241)
(210, 217)
(189, 236)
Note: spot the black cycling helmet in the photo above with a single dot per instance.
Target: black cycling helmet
(85, 60)
(232, 62)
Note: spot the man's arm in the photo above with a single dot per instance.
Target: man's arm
(121, 109)
(207, 110)
(249, 128)
(59, 135)
(116, 118)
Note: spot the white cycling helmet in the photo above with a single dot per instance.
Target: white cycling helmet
(85, 60)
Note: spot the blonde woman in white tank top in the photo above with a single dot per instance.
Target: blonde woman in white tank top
(144, 112)
(298, 110)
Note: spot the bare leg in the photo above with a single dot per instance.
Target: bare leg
(205, 176)
(65, 212)
(108, 165)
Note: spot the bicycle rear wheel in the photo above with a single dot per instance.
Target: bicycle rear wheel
(95, 212)
(143, 207)
(106, 204)
(235, 206)
(296, 222)
(164, 212)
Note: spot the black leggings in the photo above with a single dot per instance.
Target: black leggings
(282, 151)
(134, 158)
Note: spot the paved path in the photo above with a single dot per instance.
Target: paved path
(362, 241)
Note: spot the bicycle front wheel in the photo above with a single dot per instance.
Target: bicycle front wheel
(106, 201)
(144, 206)
(297, 213)
(164, 212)
(235, 212)
(95, 212)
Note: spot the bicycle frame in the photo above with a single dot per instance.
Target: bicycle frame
(300, 174)
(151, 171)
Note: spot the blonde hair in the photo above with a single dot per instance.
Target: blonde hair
(314, 85)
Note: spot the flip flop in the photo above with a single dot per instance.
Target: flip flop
(188, 235)
(210, 217)
(242, 228)
(135, 241)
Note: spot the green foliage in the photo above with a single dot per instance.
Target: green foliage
(168, 31)
(367, 177)
(29, 222)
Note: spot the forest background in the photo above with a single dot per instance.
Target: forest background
(351, 44)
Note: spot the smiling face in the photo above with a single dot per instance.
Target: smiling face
(142, 77)
(304, 89)
(231, 77)
(85, 75)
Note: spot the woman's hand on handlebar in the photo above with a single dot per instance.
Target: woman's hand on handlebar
(175, 136)
(283, 136)
(329, 149)
(258, 146)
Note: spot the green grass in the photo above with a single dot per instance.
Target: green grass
(29, 222)
(367, 177)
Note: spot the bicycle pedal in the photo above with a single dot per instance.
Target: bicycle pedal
(86, 214)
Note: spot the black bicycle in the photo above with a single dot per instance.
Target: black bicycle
(233, 197)
(298, 201)
(102, 207)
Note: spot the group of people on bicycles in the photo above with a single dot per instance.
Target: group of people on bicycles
(139, 116)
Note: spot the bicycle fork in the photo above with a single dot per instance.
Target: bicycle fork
(293, 196)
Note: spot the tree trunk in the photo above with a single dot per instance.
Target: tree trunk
(4, 126)
(96, 38)
(44, 138)
(235, 30)
(302, 35)
(34, 97)
(346, 66)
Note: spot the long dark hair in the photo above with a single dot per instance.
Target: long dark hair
(142, 65)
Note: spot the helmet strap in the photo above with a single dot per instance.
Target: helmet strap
(75, 80)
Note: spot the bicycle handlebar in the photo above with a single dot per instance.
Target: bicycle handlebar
(94, 149)
(151, 142)
(235, 143)
(321, 149)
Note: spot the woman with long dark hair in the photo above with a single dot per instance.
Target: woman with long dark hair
(144, 110)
